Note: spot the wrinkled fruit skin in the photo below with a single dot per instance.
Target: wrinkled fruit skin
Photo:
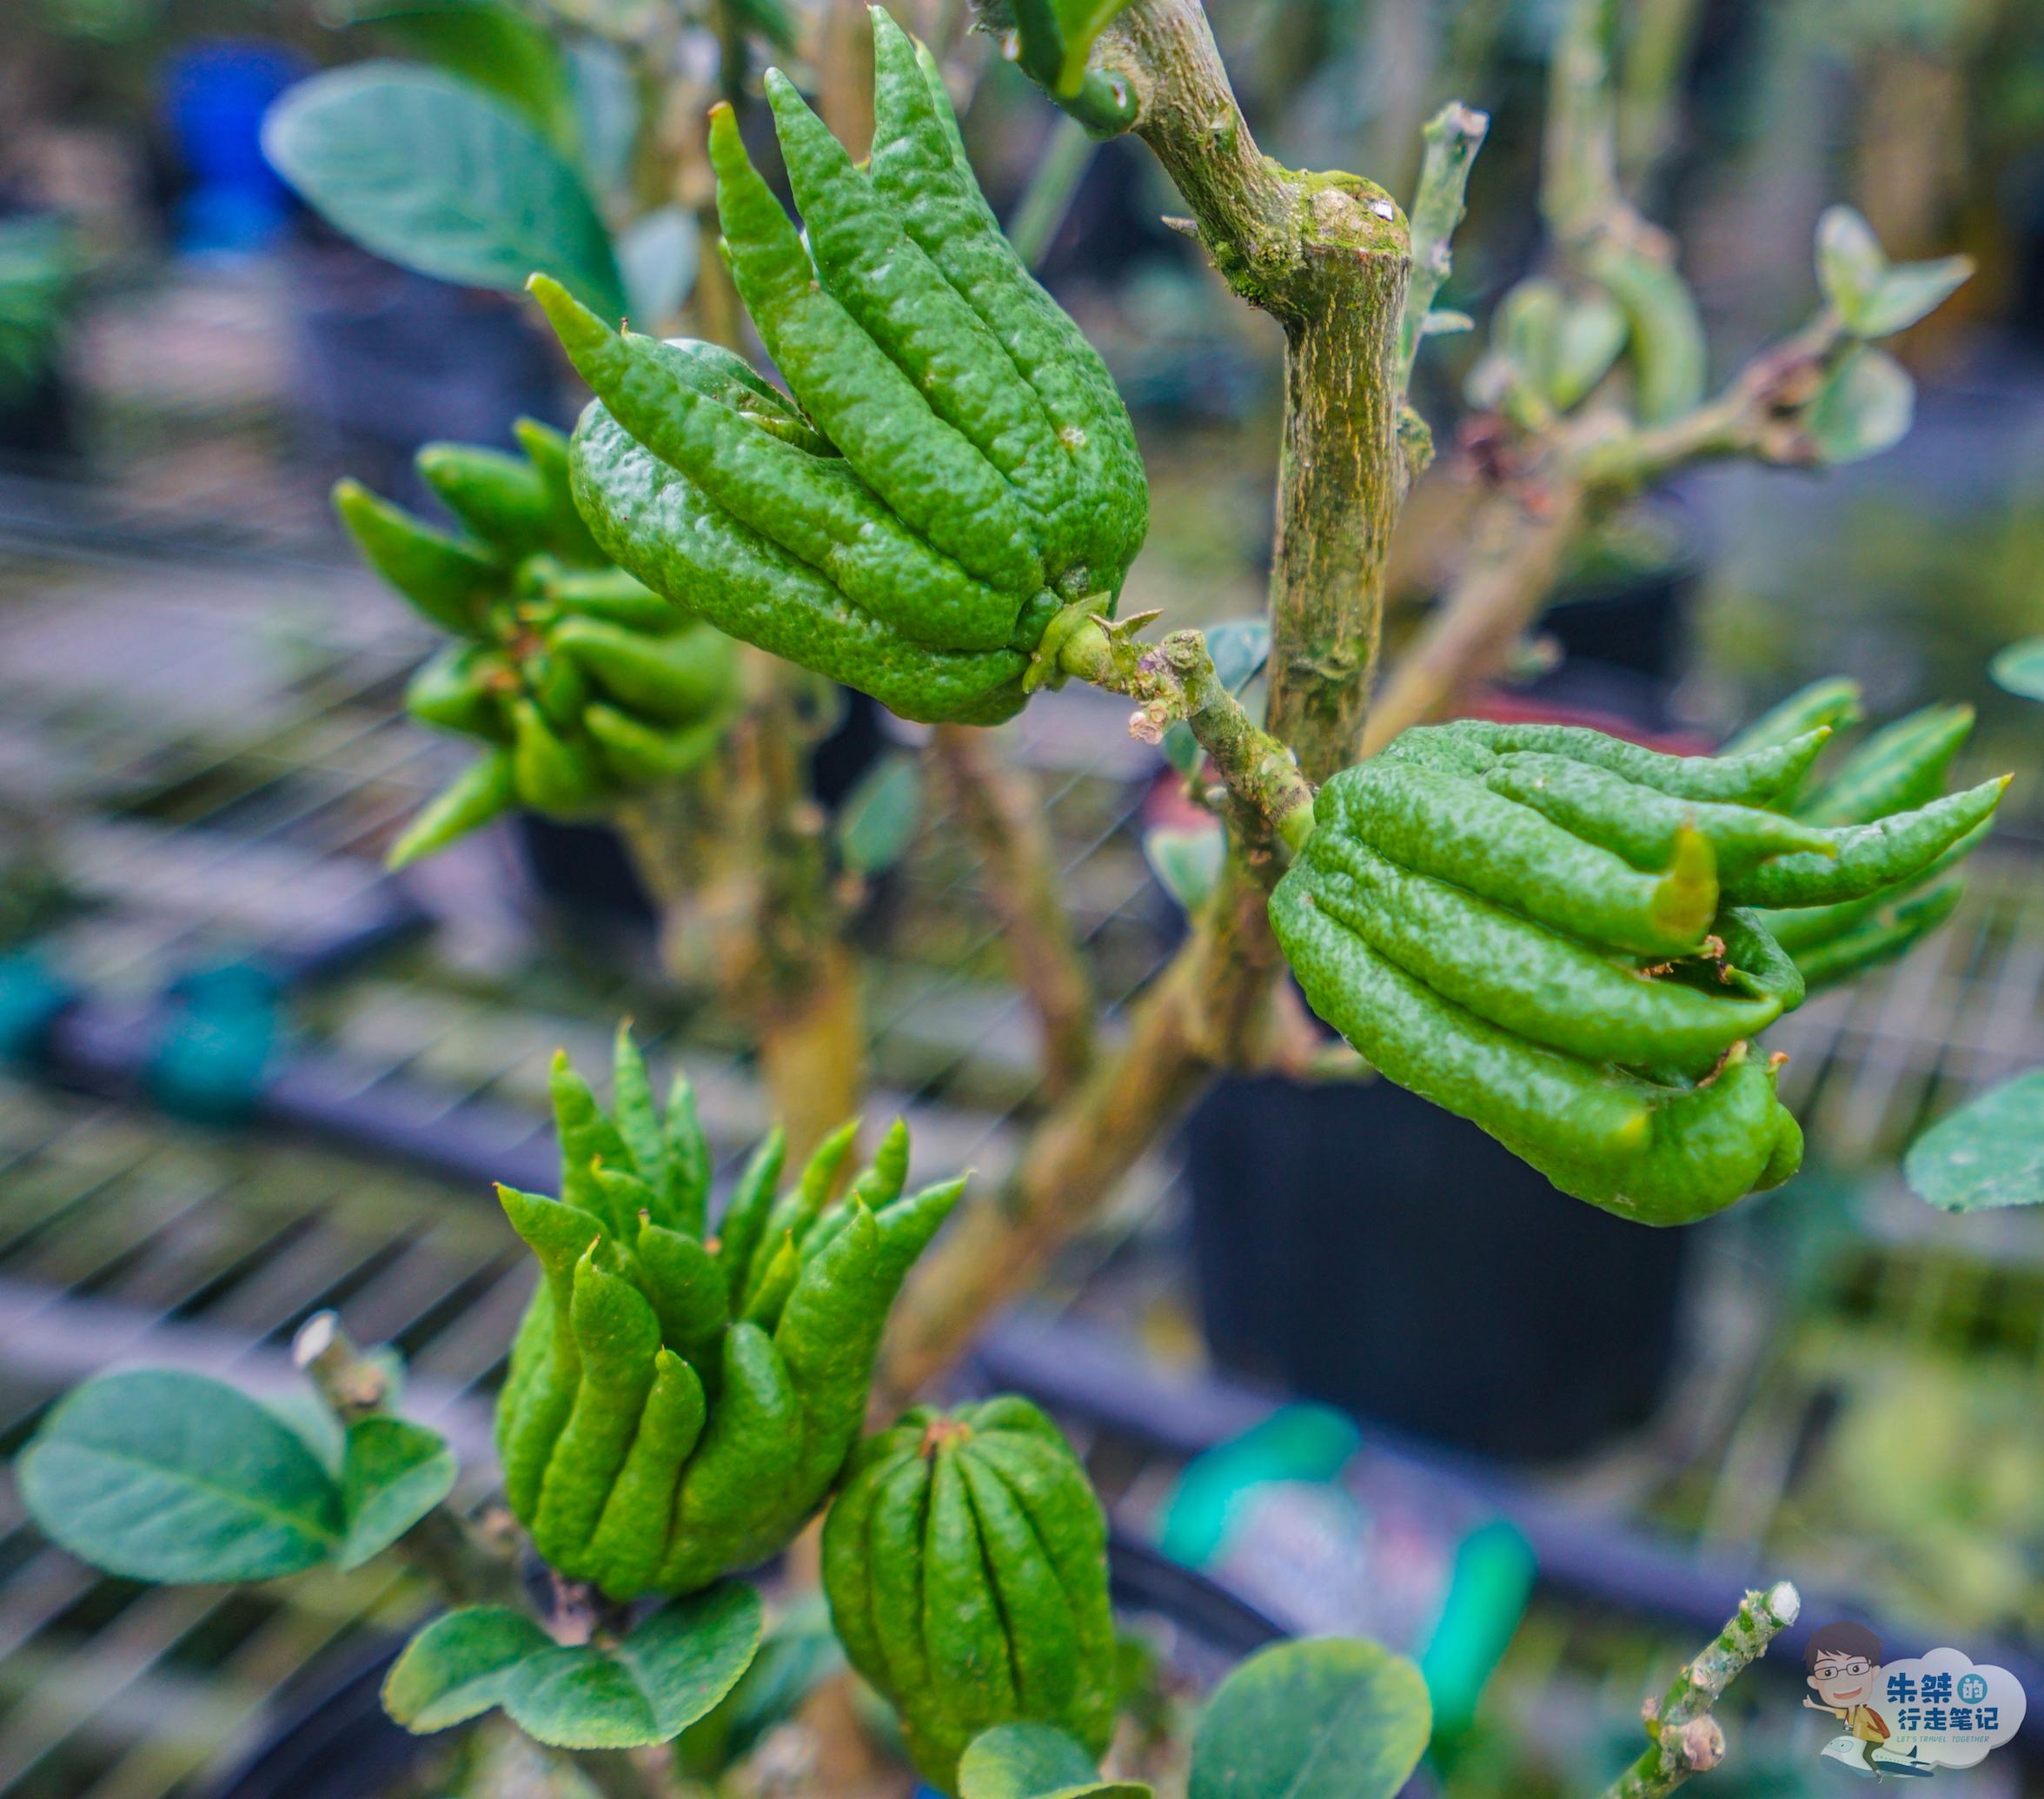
(1559, 936)
(958, 467)
(678, 1403)
(965, 1564)
(582, 683)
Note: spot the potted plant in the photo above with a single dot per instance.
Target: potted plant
(1571, 941)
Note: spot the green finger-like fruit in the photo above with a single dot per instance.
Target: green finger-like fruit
(449, 580)
(461, 688)
(503, 498)
(1866, 859)
(597, 686)
(669, 1416)
(486, 790)
(1901, 766)
(966, 1564)
(958, 466)
(1558, 935)
(1832, 703)
(1657, 1153)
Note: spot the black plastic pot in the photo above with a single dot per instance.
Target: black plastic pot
(1363, 1247)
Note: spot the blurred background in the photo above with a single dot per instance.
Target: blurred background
(1331, 1347)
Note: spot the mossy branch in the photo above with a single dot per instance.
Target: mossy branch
(1685, 1738)
(1174, 682)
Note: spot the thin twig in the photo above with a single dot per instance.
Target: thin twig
(1685, 1738)
(1053, 185)
(1453, 136)
(442, 1545)
(1004, 817)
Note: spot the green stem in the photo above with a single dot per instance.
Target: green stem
(1453, 136)
(1053, 187)
(1174, 682)
(1685, 1739)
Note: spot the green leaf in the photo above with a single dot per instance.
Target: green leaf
(1874, 297)
(459, 1666)
(1328, 1718)
(1187, 861)
(878, 822)
(490, 43)
(1988, 1154)
(1591, 333)
(1850, 262)
(770, 18)
(673, 1669)
(1055, 36)
(2020, 668)
(657, 254)
(1035, 1762)
(163, 1476)
(393, 1472)
(434, 173)
(1865, 407)
(1446, 322)
(1910, 291)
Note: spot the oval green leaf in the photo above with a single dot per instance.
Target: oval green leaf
(490, 44)
(164, 1475)
(393, 1472)
(879, 817)
(1035, 1762)
(1988, 1154)
(432, 172)
(675, 1669)
(1910, 291)
(1329, 1718)
(458, 1667)
(1850, 263)
(1864, 408)
(1186, 861)
(2020, 668)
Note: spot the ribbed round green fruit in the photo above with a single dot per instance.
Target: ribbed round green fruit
(965, 1564)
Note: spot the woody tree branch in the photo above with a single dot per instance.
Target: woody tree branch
(1327, 255)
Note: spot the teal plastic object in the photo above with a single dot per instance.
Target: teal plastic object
(1493, 1579)
(1490, 1566)
(32, 997)
(1297, 1443)
(218, 1033)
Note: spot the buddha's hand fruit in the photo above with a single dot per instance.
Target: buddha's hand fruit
(679, 1401)
(960, 467)
(582, 683)
(1903, 765)
(965, 1564)
(1550, 931)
